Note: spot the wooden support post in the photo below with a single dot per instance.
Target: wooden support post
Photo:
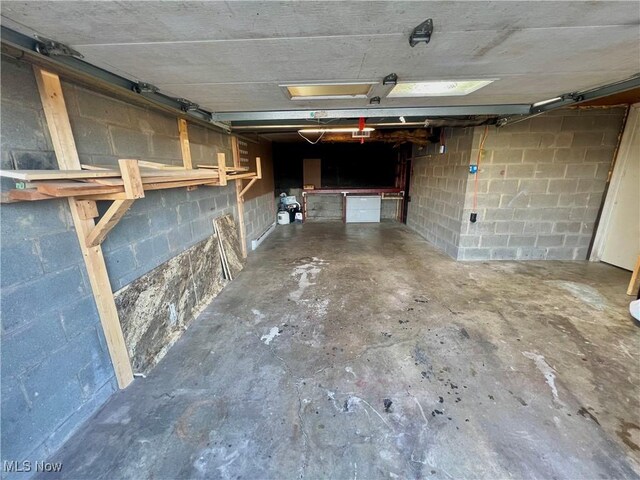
(87, 209)
(239, 197)
(109, 220)
(635, 279)
(184, 144)
(186, 148)
(55, 111)
(258, 168)
(247, 187)
(131, 178)
(222, 170)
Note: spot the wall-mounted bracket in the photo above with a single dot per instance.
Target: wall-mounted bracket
(143, 87)
(422, 33)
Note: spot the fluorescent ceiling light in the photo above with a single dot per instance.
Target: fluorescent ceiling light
(328, 91)
(546, 102)
(336, 130)
(440, 88)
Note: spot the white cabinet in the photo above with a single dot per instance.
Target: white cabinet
(362, 209)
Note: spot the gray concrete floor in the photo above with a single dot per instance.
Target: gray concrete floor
(360, 352)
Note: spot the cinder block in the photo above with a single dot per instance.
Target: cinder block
(556, 214)
(476, 253)
(583, 170)
(180, 238)
(23, 160)
(129, 230)
(587, 139)
(545, 123)
(22, 128)
(166, 147)
(26, 347)
(550, 170)
(19, 84)
(599, 155)
(526, 253)
(19, 302)
(119, 263)
(79, 316)
(16, 441)
(151, 252)
(19, 263)
(543, 199)
(580, 253)
(520, 171)
(163, 219)
(538, 155)
(520, 200)
(152, 122)
(526, 140)
(550, 241)
(504, 253)
(129, 144)
(102, 108)
(509, 227)
(95, 375)
(560, 253)
(504, 186)
(201, 228)
(538, 185)
(586, 185)
(494, 240)
(563, 139)
(567, 227)
(522, 241)
(60, 250)
(570, 155)
(564, 186)
(91, 137)
(533, 228)
(498, 214)
(506, 157)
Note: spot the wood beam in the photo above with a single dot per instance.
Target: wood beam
(131, 177)
(235, 149)
(57, 117)
(109, 220)
(222, 170)
(247, 187)
(184, 143)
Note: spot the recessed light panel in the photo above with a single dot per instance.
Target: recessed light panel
(326, 91)
(440, 88)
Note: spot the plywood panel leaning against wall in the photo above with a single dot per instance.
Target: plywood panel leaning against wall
(618, 239)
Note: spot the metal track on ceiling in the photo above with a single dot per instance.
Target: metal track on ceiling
(505, 114)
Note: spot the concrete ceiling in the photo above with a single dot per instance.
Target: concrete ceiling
(231, 56)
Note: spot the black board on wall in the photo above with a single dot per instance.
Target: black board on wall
(353, 165)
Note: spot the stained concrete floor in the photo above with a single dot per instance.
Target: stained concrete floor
(360, 352)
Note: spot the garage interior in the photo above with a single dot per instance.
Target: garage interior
(320, 240)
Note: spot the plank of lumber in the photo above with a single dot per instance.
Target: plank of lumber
(235, 150)
(131, 178)
(258, 168)
(222, 170)
(27, 195)
(161, 166)
(109, 220)
(35, 175)
(241, 176)
(70, 189)
(635, 279)
(228, 169)
(57, 117)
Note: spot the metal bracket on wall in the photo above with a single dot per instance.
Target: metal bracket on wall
(143, 87)
(187, 105)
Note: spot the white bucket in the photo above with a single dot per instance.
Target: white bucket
(283, 218)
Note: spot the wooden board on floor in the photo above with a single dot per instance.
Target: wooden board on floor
(228, 233)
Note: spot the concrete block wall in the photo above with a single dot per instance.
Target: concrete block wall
(56, 370)
(438, 187)
(259, 214)
(540, 186)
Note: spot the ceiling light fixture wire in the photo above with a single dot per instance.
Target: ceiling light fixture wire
(317, 140)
